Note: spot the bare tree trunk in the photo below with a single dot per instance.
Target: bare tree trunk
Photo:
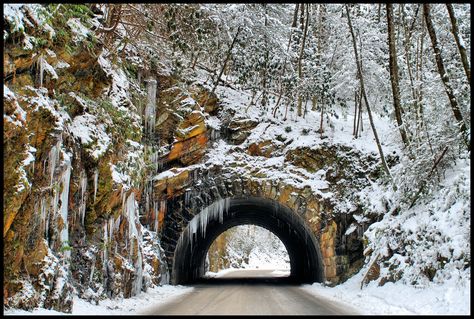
(359, 127)
(302, 17)
(264, 76)
(295, 16)
(423, 183)
(320, 30)
(393, 65)
(293, 25)
(355, 114)
(444, 76)
(419, 70)
(286, 112)
(196, 60)
(379, 11)
(226, 60)
(305, 108)
(406, 45)
(459, 42)
(361, 122)
(361, 78)
(251, 100)
(300, 66)
(322, 121)
(277, 103)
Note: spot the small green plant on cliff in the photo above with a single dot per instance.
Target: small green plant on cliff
(61, 13)
(65, 247)
(122, 127)
(40, 43)
(58, 16)
(131, 69)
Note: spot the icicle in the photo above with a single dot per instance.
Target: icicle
(41, 69)
(116, 226)
(155, 159)
(215, 135)
(54, 158)
(44, 217)
(133, 232)
(150, 106)
(130, 214)
(155, 209)
(82, 203)
(159, 165)
(130, 211)
(137, 285)
(111, 228)
(92, 274)
(213, 212)
(146, 194)
(104, 252)
(54, 207)
(165, 280)
(66, 178)
(117, 223)
(162, 210)
(96, 178)
(187, 196)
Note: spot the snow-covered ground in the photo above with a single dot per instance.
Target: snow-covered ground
(451, 298)
(390, 299)
(131, 306)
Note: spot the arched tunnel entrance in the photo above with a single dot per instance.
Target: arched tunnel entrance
(203, 229)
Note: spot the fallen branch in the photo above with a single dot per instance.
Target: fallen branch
(369, 270)
(423, 183)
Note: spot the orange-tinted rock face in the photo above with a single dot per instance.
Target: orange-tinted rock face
(37, 256)
(189, 151)
(191, 141)
(171, 184)
(15, 144)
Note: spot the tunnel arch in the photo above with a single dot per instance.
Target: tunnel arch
(195, 240)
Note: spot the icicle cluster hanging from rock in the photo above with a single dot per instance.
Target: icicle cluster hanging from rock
(150, 108)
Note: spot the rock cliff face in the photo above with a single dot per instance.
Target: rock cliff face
(101, 176)
(74, 168)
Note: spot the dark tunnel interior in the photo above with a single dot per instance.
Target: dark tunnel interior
(195, 240)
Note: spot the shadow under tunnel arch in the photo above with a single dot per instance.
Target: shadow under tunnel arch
(204, 228)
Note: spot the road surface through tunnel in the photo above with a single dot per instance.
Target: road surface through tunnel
(194, 242)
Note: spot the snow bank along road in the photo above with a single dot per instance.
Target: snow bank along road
(248, 292)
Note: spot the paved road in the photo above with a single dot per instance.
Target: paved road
(237, 294)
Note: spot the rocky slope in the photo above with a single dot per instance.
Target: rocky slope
(74, 167)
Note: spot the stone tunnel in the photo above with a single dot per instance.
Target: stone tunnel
(196, 204)
(203, 229)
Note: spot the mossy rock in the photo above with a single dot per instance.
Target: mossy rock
(16, 188)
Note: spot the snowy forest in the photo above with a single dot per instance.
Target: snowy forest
(130, 130)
